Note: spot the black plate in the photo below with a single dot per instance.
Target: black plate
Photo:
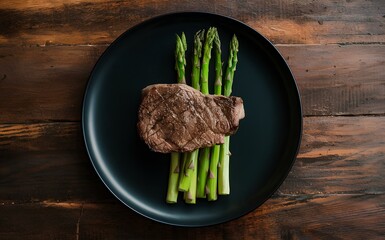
(263, 149)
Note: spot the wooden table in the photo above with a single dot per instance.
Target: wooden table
(49, 189)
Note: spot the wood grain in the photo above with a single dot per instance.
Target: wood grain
(332, 79)
(283, 217)
(340, 155)
(41, 162)
(282, 21)
(339, 80)
(40, 86)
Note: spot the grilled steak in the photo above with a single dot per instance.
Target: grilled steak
(178, 118)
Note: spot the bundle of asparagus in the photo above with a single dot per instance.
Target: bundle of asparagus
(202, 172)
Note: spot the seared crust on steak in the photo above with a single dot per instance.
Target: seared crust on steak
(178, 118)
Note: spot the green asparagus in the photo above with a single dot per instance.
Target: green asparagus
(180, 58)
(196, 68)
(190, 195)
(224, 161)
(212, 177)
(204, 156)
(189, 166)
(180, 65)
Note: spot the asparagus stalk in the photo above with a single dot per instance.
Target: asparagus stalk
(224, 168)
(183, 160)
(190, 195)
(180, 64)
(218, 65)
(189, 166)
(185, 182)
(212, 177)
(210, 35)
(172, 191)
(180, 58)
(196, 68)
(224, 161)
(204, 157)
(203, 167)
(231, 66)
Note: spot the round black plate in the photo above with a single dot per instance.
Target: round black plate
(263, 150)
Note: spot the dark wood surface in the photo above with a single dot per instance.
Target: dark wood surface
(49, 190)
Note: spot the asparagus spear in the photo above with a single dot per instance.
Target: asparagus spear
(204, 156)
(212, 177)
(224, 168)
(189, 166)
(224, 161)
(190, 195)
(210, 35)
(185, 180)
(231, 66)
(180, 58)
(203, 167)
(196, 68)
(218, 65)
(180, 64)
(172, 191)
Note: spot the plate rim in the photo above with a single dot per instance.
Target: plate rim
(205, 14)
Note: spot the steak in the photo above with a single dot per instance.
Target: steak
(179, 118)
